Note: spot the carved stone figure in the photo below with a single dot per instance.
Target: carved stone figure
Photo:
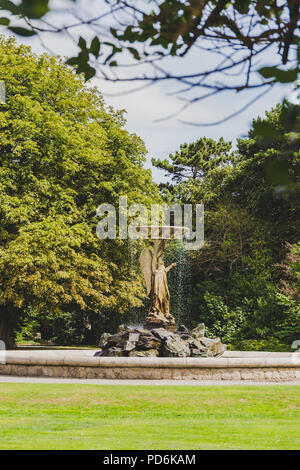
(155, 276)
(160, 336)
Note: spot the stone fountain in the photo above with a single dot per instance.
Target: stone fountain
(160, 335)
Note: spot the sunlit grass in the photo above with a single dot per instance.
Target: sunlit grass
(75, 416)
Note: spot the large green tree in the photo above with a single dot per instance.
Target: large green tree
(266, 180)
(239, 277)
(192, 166)
(61, 155)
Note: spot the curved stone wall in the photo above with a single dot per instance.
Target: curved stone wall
(82, 364)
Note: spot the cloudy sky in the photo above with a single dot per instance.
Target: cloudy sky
(146, 106)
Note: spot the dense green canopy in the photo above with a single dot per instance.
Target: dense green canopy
(61, 155)
(245, 280)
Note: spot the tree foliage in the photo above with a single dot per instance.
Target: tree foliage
(62, 154)
(194, 160)
(246, 277)
(235, 37)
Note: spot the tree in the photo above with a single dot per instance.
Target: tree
(266, 180)
(291, 272)
(194, 160)
(251, 212)
(234, 36)
(192, 166)
(61, 155)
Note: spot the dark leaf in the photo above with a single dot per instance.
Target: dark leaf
(22, 31)
(9, 6)
(289, 115)
(95, 46)
(134, 52)
(296, 40)
(242, 6)
(264, 129)
(277, 173)
(114, 32)
(83, 57)
(72, 61)
(281, 76)
(82, 43)
(89, 73)
(34, 8)
(4, 21)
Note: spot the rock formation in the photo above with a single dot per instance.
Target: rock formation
(141, 342)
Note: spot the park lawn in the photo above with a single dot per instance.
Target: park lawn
(78, 416)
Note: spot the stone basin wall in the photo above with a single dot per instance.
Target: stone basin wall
(83, 365)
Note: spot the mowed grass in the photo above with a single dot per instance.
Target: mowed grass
(77, 416)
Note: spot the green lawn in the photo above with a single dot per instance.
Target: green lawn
(75, 416)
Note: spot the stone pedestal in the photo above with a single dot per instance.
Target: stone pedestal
(157, 320)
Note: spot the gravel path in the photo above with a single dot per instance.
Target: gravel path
(50, 380)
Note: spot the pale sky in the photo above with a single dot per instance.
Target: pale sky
(145, 106)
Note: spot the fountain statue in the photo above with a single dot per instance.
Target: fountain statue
(160, 335)
(155, 276)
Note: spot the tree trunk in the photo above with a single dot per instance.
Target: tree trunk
(5, 334)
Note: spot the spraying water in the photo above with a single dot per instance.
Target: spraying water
(180, 281)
